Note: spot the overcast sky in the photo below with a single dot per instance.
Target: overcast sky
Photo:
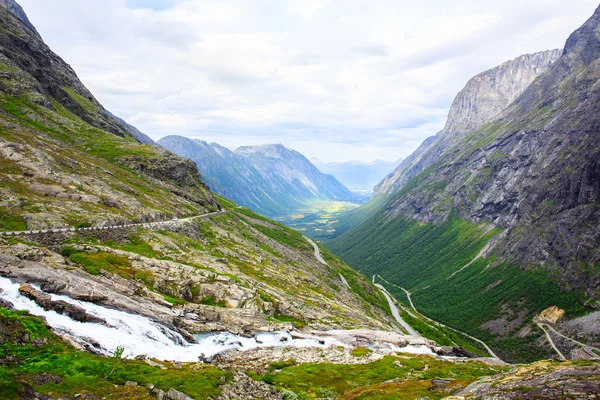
(337, 80)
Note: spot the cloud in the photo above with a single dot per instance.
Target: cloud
(337, 79)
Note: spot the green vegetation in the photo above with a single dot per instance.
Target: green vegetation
(174, 300)
(423, 258)
(10, 221)
(94, 262)
(85, 103)
(277, 232)
(411, 378)
(86, 373)
(287, 318)
(317, 218)
(360, 352)
(211, 301)
(354, 218)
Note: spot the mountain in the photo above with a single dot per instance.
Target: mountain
(356, 175)
(496, 218)
(121, 245)
(270, 179)
(122, 276)
(15, 9)
(482, 99)
(140, 136)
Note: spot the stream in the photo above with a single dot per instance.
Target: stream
(140, 335)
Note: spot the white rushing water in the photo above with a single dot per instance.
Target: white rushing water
(140, 335)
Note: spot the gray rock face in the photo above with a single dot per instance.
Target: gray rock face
(533, 171)
(483, 99)
(14, 8)
(270, 179)
(42, 75)
(538, 381)
(488, 94)
(180, 174)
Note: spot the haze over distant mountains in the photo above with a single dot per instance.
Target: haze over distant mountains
(358, 175)
(270, 179)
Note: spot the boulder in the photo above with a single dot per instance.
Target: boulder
(45, 301)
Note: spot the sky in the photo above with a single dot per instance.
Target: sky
(337, 80)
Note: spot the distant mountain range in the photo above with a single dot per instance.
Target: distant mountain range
(270, 179)
(356, 175)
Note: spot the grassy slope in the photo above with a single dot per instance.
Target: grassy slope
(359, 284)
(403, 377)
(75, 147)
(421, 257)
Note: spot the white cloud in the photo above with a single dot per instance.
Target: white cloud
(337, 79)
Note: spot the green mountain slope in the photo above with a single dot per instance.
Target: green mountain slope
(529, 178)
(270, 179)
(67, 163)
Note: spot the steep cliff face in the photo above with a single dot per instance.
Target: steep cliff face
(30, 69)
(489, 93)
(488, 222)
(270, 179)
(15, 9)
(534, 171)
(483, 98)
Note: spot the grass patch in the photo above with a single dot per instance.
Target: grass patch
(361, 352)
(212, 301)
(10, 221)
(85, 103)
(288, 318)
(325, 380)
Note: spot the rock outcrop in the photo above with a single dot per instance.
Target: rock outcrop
(59, 306)
(482, 100)
(543, 380)
(14, 8)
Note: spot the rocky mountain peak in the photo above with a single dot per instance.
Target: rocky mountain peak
(15, 9)
(584, 43)
(489, 93)
(484, 98)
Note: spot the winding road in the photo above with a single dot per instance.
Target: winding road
(590, 350)
(408, 295)
(560, 354)
(108, 227)
(393, 307)
(317, 252)
(396, 313)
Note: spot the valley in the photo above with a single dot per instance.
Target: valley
(179, 269)
(317, 218)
